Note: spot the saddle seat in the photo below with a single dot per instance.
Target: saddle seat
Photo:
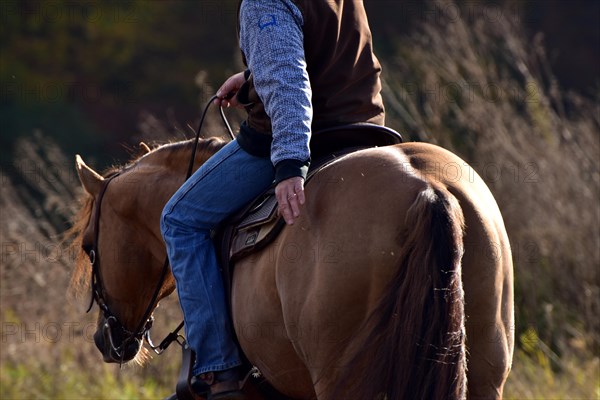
(257, 225)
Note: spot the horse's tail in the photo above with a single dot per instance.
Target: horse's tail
(414, 343)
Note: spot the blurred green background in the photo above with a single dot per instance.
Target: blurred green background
(512, 86)
(86, 72)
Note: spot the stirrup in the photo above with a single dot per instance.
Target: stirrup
(222, 390)
(184, 390)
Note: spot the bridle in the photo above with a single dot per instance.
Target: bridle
(112, 323)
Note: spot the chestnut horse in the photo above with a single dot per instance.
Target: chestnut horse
(362, 298)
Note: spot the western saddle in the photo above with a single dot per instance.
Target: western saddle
(258, 224)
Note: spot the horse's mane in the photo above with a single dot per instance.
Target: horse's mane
(80, 277)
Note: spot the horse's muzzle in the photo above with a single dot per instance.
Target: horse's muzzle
(115, 344)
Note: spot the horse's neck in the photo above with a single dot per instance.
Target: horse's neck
(166, 168)
(176, 156)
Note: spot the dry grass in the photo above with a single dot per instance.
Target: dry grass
(46, 337)
(477, 87)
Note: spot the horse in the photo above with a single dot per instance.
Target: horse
(396, 282)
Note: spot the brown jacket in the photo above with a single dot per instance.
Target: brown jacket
(343, 71)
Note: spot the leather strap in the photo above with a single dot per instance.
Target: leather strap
(183, 389)
(222, 387)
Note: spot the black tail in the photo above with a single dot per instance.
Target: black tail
(414, 342)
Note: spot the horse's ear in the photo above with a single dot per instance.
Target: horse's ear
(90, 179)
(144, 149)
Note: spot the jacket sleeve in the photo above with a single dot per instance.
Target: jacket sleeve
(272, 41)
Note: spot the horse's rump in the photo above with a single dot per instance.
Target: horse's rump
(413, 344)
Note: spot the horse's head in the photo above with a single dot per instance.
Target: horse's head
(123, 244)
(120, 247)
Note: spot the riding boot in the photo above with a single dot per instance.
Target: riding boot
(222, 385)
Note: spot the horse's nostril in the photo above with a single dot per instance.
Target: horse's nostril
(111, 344)
(100, 342)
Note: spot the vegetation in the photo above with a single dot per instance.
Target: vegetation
(91, 77)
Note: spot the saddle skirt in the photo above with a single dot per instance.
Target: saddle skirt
(257, 225)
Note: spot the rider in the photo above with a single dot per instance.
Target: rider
(310, 66)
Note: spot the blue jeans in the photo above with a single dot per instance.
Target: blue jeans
(229, 180)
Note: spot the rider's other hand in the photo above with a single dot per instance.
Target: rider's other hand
(226, 93)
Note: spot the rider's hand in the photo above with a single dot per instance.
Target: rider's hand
(290, 196)
(227, 91)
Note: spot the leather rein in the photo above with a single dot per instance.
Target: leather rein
(112, 322)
